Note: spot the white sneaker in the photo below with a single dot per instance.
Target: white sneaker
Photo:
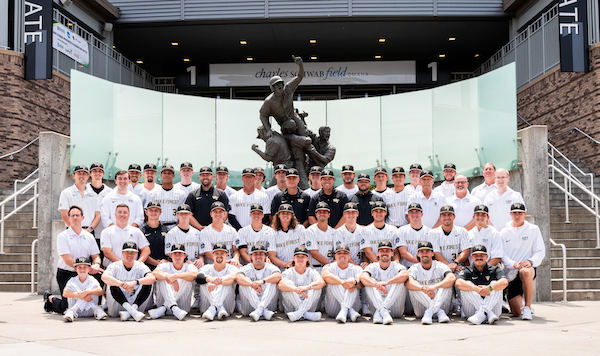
(268, 314)
(526, 315)
(477, 318)
(353, 314)
(138, 315)
(69, 315)
(157, 312)
(294, 316)
(312, 316)
(492, 318)
(377, 318)
(427, 318)
(342, 315)
(386, 317)
(178, 312)
(124, 315)
(222, 313)
(210, 313)
(99, 314)
(442, 317)
(256, 314)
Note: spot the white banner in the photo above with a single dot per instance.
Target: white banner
(316, 73)
(71, 44)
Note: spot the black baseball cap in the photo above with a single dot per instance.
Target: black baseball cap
(205, 169)
(447, 209)
(248, 171)
(279, 167)
(322, 206)
(285, 207)
(347, 168)
(385, 244)
(351, 206)
(378, 205)
(82, 261)
(183, 208)
(380, 170)
(451, 166)
(315, 169)
(327, 173)
(517, 207)
(301, 250)
(150, 167)
(342, 247)
(414, 206)
(398, 170)
(97, 165)
(256, 207)
(135, 167)
(167, 167)
(259, 170)
(217, 205)
(178, 248)
(129, 246)
(186, 165)
(81, 168)
(222, 169)
(481, 209)
(258, 248)
(415, 167)
(153, 204)
(292, 172)
(478, 249)
(426, 174)
(424, 245)
(363, 176)
(220, 247)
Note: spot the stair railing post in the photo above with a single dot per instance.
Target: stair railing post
(566, 200)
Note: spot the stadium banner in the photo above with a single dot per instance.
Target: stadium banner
(66, 41)
(38, 39)
(573, 26)
(315, 73)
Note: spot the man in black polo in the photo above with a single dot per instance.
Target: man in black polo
(333, 197)
(293, 196)
(365, 199)
(201, 199)
(155, 233)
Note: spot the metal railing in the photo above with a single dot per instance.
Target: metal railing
(554, 155)
(33, 265)
(11, 155)
(4, 216)
(578, 130)
(24, 180)
(564, 268)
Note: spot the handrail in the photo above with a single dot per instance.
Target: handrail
(525, 121)
(15, 183)
(4, 216)
(576, 129)
(564, 268)
(11, 154)
(568, 168)
(33, 265)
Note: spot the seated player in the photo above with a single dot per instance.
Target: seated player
(254, 234)
(82, 293)
(288, 234)
(217, 298)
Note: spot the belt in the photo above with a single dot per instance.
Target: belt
(317, 265)
(170, 223)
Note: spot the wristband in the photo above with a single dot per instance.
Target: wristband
(490, 288)
(137, 281)
(355, 282)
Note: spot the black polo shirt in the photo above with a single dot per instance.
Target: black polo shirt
(156, 239)
(336, 201)
(488, 274)
(200, 201)
(365, 202)
(298, 201)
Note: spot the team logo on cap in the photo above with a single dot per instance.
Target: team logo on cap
(451, 166)
(153, 204)
(280, 167)
(481, 209)
(350, 206)
(135, 167)
(517, 207)
(222, 169)
(322, 206)
(397, 170)
(205, 169)
(384, 244)
(478, 249)
(415, 167)
(259, 170)
(258, 248)
(186, 165)
(82, 168)
(426, 174)
(363, 176)
(379, 170)
(414, 206)
(183, 208)
(342, 247)
(248, 171)
(129, 246)
(378, 205)
(447, 209)
(167, 167)
(424, 245)
(149, 167)
(217, 205)
(97, 165)
(301, 250)
(82, 261)
(285, 207)
(327, 173)
(178, 248)
(315, 169)
(347, 168)
(220, 247)
(292, 172)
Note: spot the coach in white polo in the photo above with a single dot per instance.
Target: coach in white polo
(242, 199)
(431, 201)
(489, 175)
(499, 201)
(81, 195)
(463, 203)
(116, 235)
(121, 195)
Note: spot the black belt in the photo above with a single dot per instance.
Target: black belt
(170, 223)
(317, 265)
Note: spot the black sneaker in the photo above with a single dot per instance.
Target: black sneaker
(47, 302)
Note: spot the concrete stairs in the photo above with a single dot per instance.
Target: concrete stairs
(579, 237)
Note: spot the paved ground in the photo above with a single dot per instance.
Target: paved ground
(572, 328)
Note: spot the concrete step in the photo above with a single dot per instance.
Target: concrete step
(11, 240)
(576, 283)
(577, 294)
(576, 243)
(17, 248)
(576, 252)
(563, 234)
(19, 232)
(16, 286)
(576, 262)
(558, 195)
(16, 276)
(573, 218)
(18, 224)
(16, 257)
(16, 266)
(577, 272)
(573, 226)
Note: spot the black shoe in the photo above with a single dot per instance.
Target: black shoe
(47, 302)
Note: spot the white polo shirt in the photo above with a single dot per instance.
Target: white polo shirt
(463, 208)
(82, 245)
(114, 237)
(88, 202)
(499, 206)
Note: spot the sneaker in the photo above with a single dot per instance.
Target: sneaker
(222, 313)
(268, 314)
(366, 310)
(47, 302)
(353, 314)
(377, 318)
(294, 316)
(526, 314)
(492, 318)
(99, 314)
(210, 313)
(312, 316)
(477, 318)
(69, 315)
(158, 312)
(386, 317)
(256, 314)
(342, 315)
(124, 315)
(427, 318)
(138, 315)
(442, 317)
(178, 312)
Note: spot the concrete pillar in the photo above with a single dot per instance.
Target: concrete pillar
(533, 167)
(54, 156)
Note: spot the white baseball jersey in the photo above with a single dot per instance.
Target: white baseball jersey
(396, 203)
(138, 189)
(292, 276)
(349, 192)
(379, 274)
(99, 197)
(352, 239)
(255, 274)
(445, 189)
(427, 277)
(145, 193)
(110, 202)
(316, 239)
(169, 201)
(481, 191)
(409, 237)
(499, 206)
(82, 245)
(187, 188)
(190, 239)
(240, 205)
(351, 271)
(286, 242)
(272, 192)
(209, 236)
(311, 192)
(412, 190)
(452, 244)
(488, 237)
(372, 236)
(431, 207)
(520, 244)
(114, 237)
(249, 237)
(169, 268)
(380, 194)
(137, 271)
(210, 271)
(463, 208)
(88, 202)
(229, 191)
(75, 285)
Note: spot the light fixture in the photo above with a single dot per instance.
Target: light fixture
(451, 38)
(313, 58)
(377, 57)
(139, 61)
(174, 44)
(476, 55)
(70, 24)
(186, 59)
(243, 42)
(312, 41)
(249, 59)
(382, 40)
(114, 46)
(442, 55)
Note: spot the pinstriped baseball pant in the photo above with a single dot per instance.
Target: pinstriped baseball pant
(393, 301)
(251, 300)
(167, 296)
(220, 296)
(292, 301)
(472, 303)
(422, 302)
(338, 297)
(83, 308)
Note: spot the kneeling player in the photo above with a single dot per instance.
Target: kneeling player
(217, 298)
(343, 279)
(258, 285)
(384, 285)
(82, 293)
(174, 285)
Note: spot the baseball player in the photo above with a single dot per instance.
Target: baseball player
(396, 199)
(351, 233)
(429, 286)
(130, 285)
(254, 234)
(186, 171)
(481, 287)
(279, 172)
(499, 201)
(410, 235)
(486, 235)
(155, 233)
(414, 176)
(451, 243)
(447, 187)
(524, 250)
(149, 182)
(81, 195)
(320, 238)
(343, 283)
(333, 197)
(248, 195)
(135, 173)
(217, 298)
(293, 196)
(376, 232)
(365, 199)
(288, 234)
(82, 292)
(463, 203)
(121, 195)
(168, 196)
(314, 178)
(300, 287)
(258, 285)
(429, 200)
(114, 236)
(218, 233)
(221, 177)
(174, 285)
(489, 184)
(184, 233)
(100, 191)
(348, 187)
(381, 178)
(384, 285)
(260, 179)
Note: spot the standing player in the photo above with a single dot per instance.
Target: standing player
(100, 191)
(186, 171)
(452, 245)
(279, 173)
(293, 196)
(174, 285)
(447, 187)
(365, 199)
(149, 181)
(384, 285)
(248, 195)
(489, 184)
(414, 175)
(333, 197)
(130, 285)
(524, 250)
(135, 173)
(218, 233)
(168, 196)
(114, 236)
(463, 203)
(376, 232)
(343, 283)
(81, 195)
(348, 187)
(260, 179)
(254, 234)
(430, 285)
(121, 195)
(351, 234)
(300, 287)
(288, 234)
(184, 233)
(499, 201)
(155, 233)
(486, 235)
(217, 298)
(320, 238)
(82, 292)
(314, 178)
(429, 200)
(396, 199)
(258, 285)
(410, 235)
(222, 175)
(381, 177)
